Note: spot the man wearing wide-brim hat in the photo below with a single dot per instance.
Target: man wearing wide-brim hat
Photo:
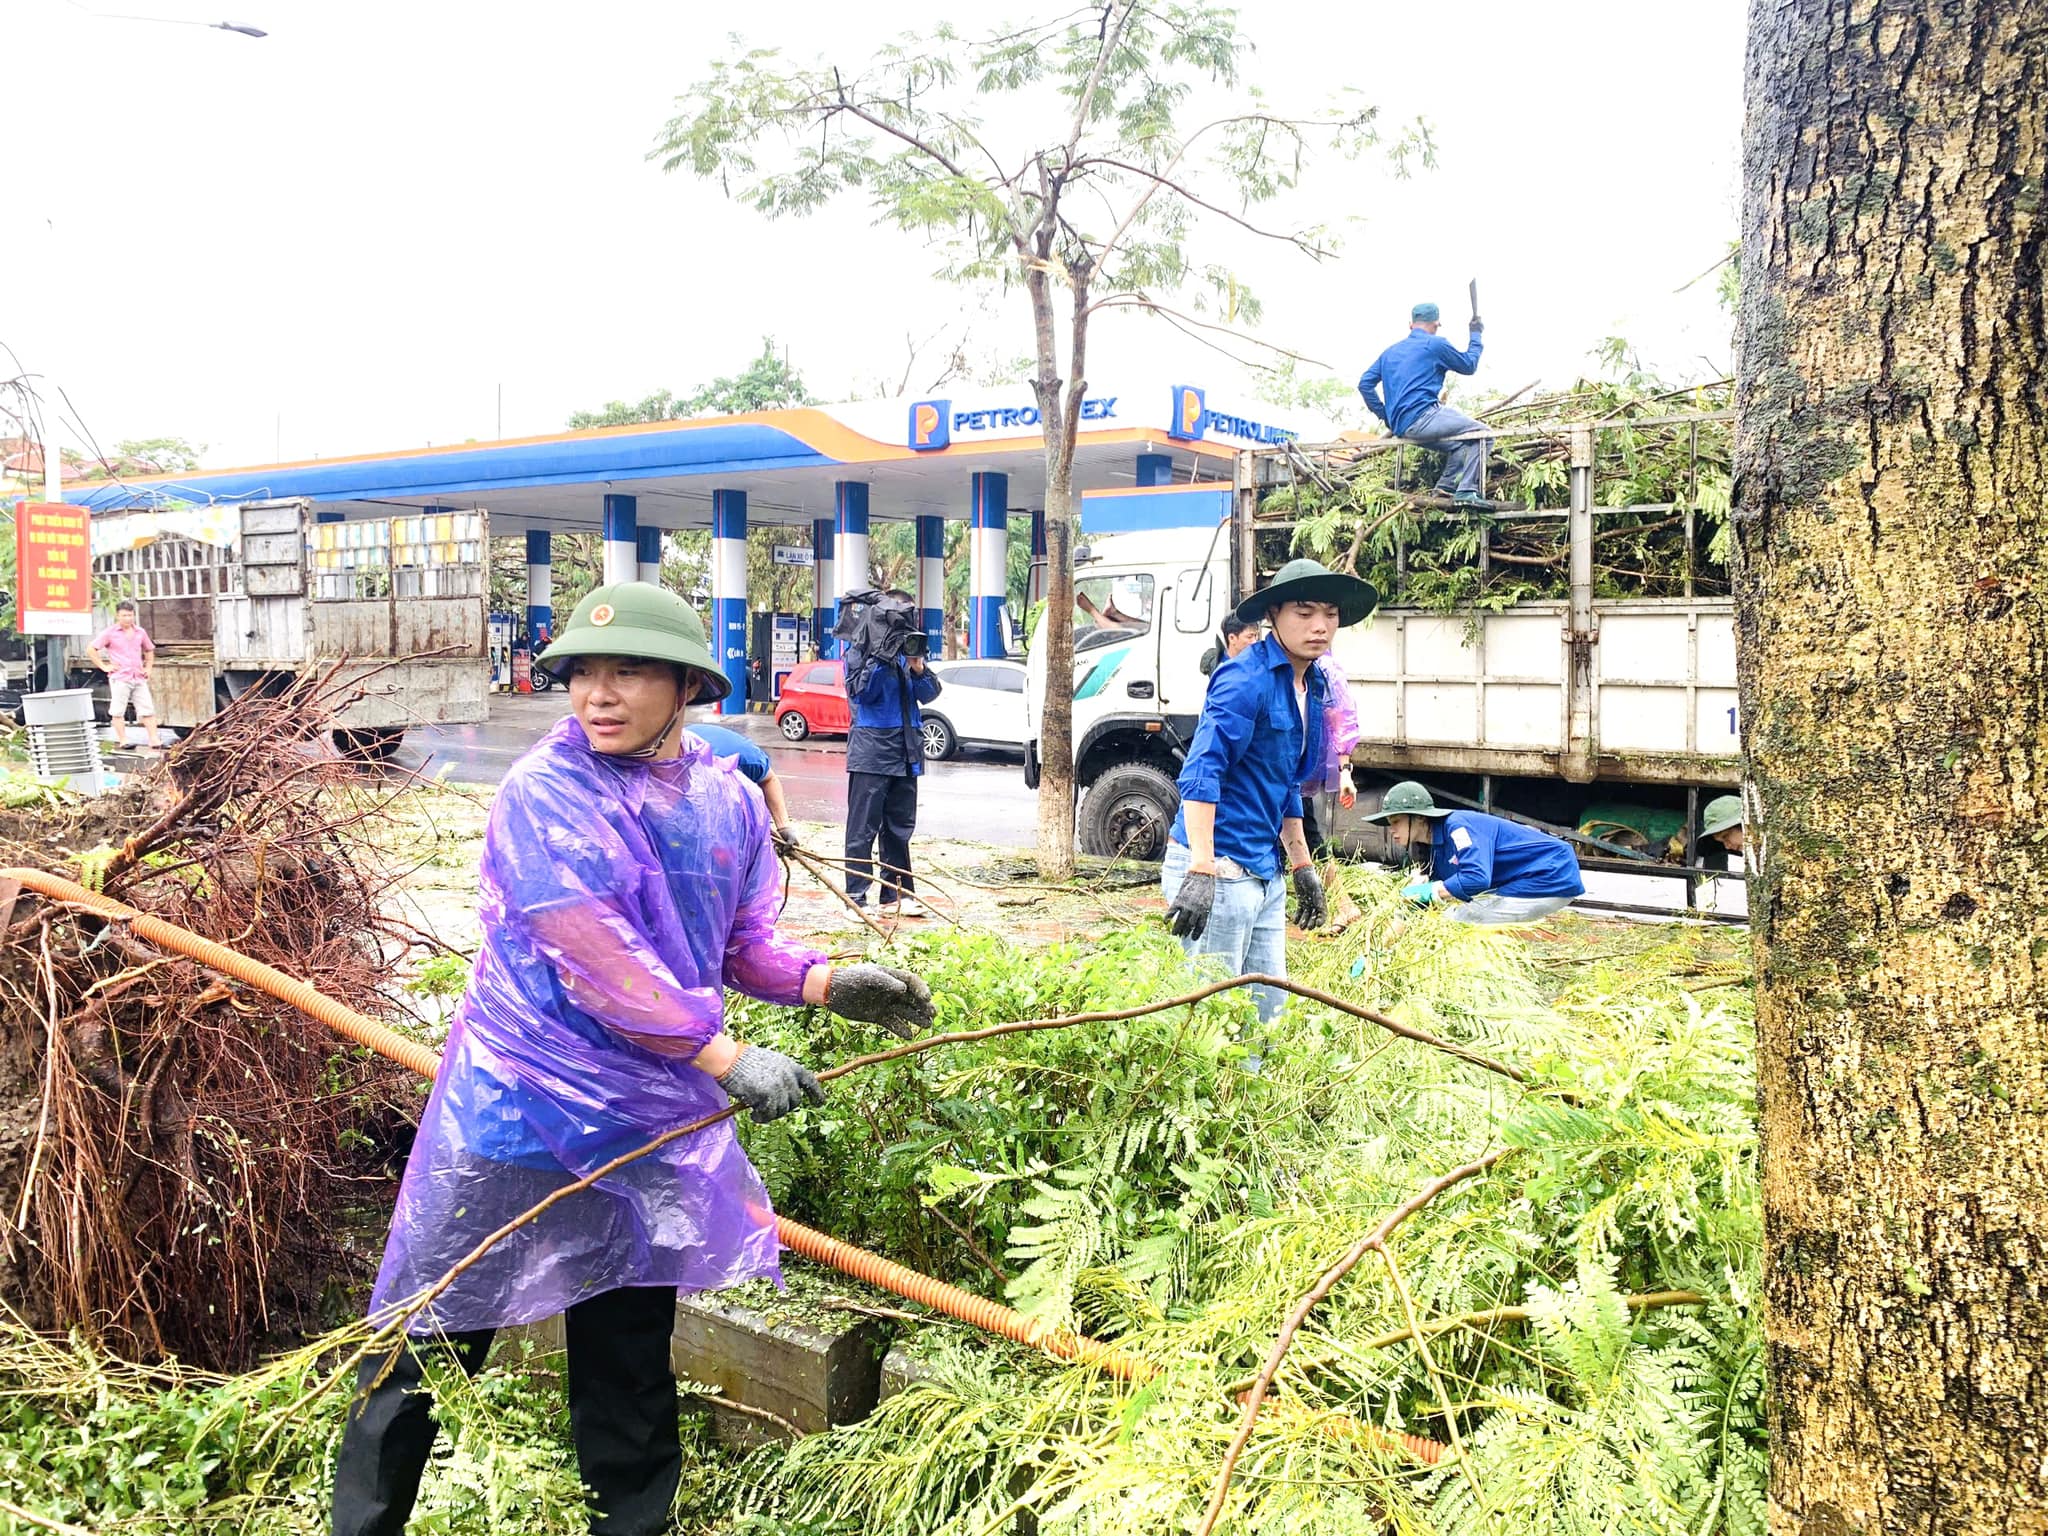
(1259, 738)
(627, 882)
(1496, 870)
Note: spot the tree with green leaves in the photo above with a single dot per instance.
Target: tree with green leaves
(767, 383)
(1074, 159)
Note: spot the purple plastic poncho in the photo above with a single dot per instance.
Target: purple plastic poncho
(619, 901)
(1340, 729)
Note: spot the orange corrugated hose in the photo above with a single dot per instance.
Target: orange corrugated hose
(990, 1316)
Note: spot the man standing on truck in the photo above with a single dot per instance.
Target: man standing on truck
(1260, 737)
(1413, 370)
(1498, 871)
(626, 884)
(125, 653)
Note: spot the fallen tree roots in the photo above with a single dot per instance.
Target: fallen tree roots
(183, 1149)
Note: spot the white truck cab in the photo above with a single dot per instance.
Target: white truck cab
(1146, 608)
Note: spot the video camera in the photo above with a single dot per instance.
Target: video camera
(880, 625)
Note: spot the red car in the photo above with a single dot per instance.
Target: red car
(814, 699)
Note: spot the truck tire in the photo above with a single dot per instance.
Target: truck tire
(1128, 813)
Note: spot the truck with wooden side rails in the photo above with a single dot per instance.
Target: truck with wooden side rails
(249, 595)
(1578, 709)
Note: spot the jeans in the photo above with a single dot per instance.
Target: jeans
(1462, 460)
(622, 1416)
(880, 808)
(1492, 907)
(1247, 927)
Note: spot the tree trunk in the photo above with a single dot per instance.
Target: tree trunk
(1891, 476)
(1057, 423)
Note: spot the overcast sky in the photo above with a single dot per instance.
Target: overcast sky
(349, 235)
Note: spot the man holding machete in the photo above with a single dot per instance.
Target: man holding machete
(1412, 371)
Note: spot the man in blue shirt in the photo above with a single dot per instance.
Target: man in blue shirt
(1259, 737)
(754, 764)
(1499, 871)
(884, 760)
(1413, 372)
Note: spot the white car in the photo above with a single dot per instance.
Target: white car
(980, 704)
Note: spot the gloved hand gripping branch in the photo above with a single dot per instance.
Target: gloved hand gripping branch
(899, 1001)
(769, 1083)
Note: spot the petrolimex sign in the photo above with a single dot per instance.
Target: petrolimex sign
(1192, 421)
(936, 423)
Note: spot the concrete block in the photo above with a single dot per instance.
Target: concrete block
(812, 1374)
(899, 1370)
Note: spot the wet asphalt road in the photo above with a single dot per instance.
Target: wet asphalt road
(978, 796)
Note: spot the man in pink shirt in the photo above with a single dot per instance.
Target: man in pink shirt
(125, 653)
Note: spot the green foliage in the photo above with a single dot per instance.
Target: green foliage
(1634, 1171)
(1362, 513)
(765, 384)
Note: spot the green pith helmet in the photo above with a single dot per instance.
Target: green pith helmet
(1722, 812)
(1310, 581)
(637, 618)
(1407, 798)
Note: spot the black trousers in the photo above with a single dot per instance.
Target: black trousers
(880, 808)
(622, 1415)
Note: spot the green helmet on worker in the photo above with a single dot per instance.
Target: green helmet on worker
(1722, 812)
(637, 618)
(1408, 798)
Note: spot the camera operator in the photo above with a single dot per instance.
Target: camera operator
(886, 681)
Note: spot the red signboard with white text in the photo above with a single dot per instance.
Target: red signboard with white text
(53, 568)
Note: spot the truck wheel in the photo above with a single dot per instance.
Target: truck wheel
(1128, 812)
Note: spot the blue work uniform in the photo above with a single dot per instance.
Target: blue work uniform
(1473, 853)
(1252, 749)
(750, 757)
(1413, 371)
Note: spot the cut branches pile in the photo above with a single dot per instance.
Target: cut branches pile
(180, 1151)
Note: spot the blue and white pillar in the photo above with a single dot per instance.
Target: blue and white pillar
(824, 592)
(649, 541)
(1035, 583)
(621, 539)
(931, 582)
(729, 594)
(990, 566)
(540, 587)
(1155, 469)
(850, 512)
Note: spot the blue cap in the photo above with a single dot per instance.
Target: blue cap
(1425, 312)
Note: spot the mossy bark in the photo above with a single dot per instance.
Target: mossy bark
(1891, 475)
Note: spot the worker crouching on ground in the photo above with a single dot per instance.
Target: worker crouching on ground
(1498, 871)
(1723, 838)
(1259, 738)
(758, 769)
(627, 881)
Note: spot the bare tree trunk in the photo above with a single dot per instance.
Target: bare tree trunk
(1056, 719)
(1892, 472)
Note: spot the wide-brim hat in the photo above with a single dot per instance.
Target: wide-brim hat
(1310, 581)
(1722, 812)
(1407, 798)
(637, 618)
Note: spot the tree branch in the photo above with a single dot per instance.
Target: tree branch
(1183, 320)
(1168, 184)
(1371, 1242)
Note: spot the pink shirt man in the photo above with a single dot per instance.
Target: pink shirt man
(125, 646)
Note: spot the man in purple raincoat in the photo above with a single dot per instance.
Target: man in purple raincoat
(627, 881)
